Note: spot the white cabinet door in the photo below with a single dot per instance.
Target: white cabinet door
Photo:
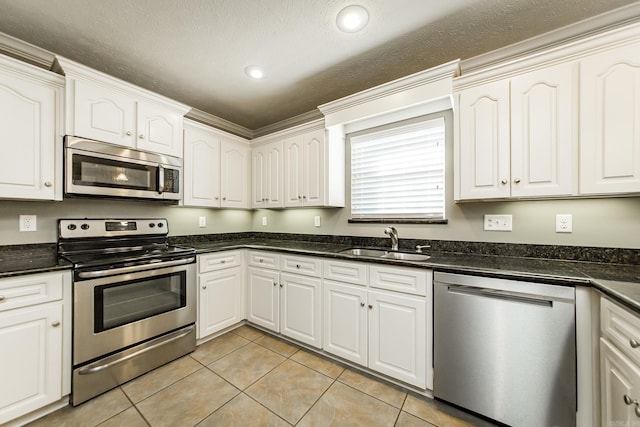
(484, 153)
(159, 129)
(258, 177)
(103, 114)
(273, 185)
(293, 164)
(263, 305)
(300, 304)
(344, 329)
(201, 167)
(610, 122)
(30, 140)
(397, 336)
(31, 359)
(313, 168)
(544, 132)
(235, 165)
(620, 379)
(220, 302)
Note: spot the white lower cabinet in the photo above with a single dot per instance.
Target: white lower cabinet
(221, 294)
(263, 307)
(386, 331)
(35, 331)
(300, 314)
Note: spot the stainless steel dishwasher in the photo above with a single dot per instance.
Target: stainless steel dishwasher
(506, 349)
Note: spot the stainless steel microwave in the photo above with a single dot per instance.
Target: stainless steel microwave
(99, 169)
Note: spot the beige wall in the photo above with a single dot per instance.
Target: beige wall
(182, 221)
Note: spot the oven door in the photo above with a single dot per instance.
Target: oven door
(116, 312)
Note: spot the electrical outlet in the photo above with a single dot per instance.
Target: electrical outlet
(564, 223)
(316, 221)
(498, 222)
(202, 221)
(264, 220)
(28, 223)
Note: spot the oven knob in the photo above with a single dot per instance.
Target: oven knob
(151, 225)
(85, 226)
(160, 225)
(71, 227)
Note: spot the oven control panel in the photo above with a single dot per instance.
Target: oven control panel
(82, 228)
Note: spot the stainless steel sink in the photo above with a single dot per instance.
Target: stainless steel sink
(406, 256)
(381, 253)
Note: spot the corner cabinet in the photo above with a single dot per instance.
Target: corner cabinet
(106, 109)
(216, 168)
(517, 137)
(298, 167)
(35, 335)
(31, 110)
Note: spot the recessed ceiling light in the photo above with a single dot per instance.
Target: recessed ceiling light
(352, 19)
(255, 72)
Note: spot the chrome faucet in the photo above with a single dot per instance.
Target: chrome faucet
(393, 233)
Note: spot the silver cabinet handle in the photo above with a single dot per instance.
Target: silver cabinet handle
(297, 265)
(304, 197)
(128, 133)
(274, 283)
(260, 260)
(517, 180)
(55, 323)
(504, 182)
(1, 297)
(224, 198)
(281, 285)
(141, 136)
(217, 198)
(223, 261)
(299, 197)
(629, 401)
(633, 343)
(370, 307)
(204, 287)
(48, 184)
(361, 304)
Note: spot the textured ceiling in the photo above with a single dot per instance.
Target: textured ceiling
(195, 51)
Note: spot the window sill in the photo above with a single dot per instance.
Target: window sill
(397, 221)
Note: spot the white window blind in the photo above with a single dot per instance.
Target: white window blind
(399, 172)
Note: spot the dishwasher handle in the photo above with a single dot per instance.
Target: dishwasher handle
(500, 294)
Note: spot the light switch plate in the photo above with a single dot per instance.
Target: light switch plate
(316, 221)
(202, 221)
(498, 223)
(264, 220)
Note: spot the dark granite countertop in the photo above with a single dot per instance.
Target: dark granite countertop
(619, 282)
(27, 259)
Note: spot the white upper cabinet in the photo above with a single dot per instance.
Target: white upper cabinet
(610, 121)
(106, 109)
(216, 168)
(31, 144)
(298, 167)
(517, 136)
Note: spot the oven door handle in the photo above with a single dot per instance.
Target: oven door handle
(116, 359)
(114, 271)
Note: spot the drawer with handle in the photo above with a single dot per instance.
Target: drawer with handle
(301, 265)
(218, 261)
(23, 291)
(621, 327)
(262, 259)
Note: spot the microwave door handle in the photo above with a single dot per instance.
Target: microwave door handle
(160, 179)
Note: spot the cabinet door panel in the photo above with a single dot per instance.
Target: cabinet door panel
(28, 123)
(619, 378)
(201, 168)
(263, 298)
(274, 175)
(543, 132)
(484, 164)
(345, 322)
(258, 177)
(159, 129)
(397, 337)
(293, 163)
(33, 365)
(104, 115)
(220, 300)
(609, 122)
(234, 174)
(313, 168)
(300, 308)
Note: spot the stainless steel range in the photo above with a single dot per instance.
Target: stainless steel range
(134, 300)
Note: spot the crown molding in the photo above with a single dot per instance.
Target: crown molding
(26, 52)
(291, 122)
(289, 131)
(611, 20)
(219, 123)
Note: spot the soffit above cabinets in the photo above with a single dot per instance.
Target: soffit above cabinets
(195, 51)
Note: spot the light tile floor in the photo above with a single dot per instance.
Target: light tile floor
(248, 378)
